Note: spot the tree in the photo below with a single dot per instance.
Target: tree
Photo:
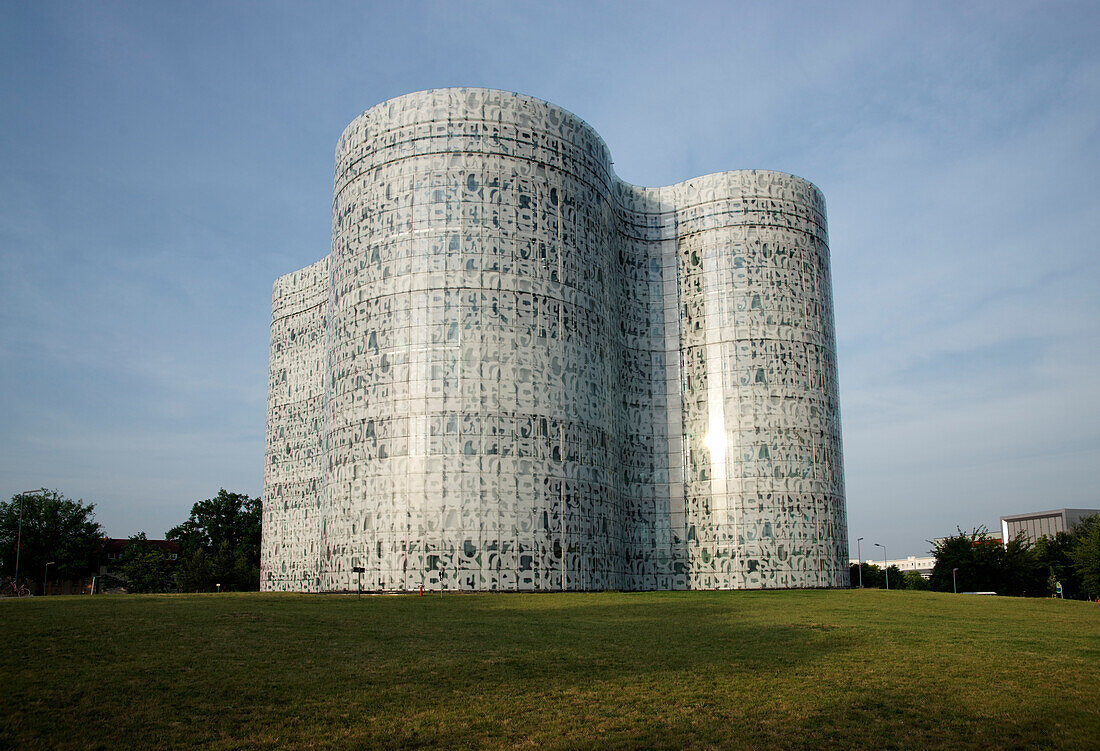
(145, 568)
(220, 544)
(205, 569)
(913, 580)
(873, 576)
(1022, 574)
(55, 529)
(985, 565)
(1053, 556)
(1086, 555)
(978, 558)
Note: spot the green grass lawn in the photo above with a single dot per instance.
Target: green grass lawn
(798, 669)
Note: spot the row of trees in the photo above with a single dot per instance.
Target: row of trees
(219, 544)
(1071, 559)
(55, 530)
(978, 562)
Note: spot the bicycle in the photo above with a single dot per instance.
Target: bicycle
(11, 589)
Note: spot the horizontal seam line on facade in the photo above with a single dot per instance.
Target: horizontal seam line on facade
(298, 312)
(812, 217)
(584, 160)
(564, 170)
(518, 129)
(616, 181)
(694, 232)
(625, 236)
(614, 205)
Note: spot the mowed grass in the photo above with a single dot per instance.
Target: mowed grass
(796, 669)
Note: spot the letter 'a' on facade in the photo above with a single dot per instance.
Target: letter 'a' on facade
(514, 371)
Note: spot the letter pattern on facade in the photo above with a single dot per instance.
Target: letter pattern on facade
(514, 371)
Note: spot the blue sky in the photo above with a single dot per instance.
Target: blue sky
(162, 163)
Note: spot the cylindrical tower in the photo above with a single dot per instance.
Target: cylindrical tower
(764, 492)
(471, 425)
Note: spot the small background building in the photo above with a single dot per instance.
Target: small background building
(922, 565)
(110, 553)
(113, 547)
(1040, 523)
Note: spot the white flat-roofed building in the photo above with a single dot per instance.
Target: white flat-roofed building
(1042, 523)
(923, 565)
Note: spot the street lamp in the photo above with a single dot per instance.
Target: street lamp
(885, 569)
(954, 584)
(359, 589)
(45, 572)
(860, 562)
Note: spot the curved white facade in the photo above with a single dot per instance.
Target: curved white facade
(514, 371)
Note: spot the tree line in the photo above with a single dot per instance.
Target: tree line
(875, 577)
(1070, 559)
(978, 562)
(219, 544)
(219, 548)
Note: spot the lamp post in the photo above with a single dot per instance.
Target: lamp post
(45, 572)
(359, 589)
(860, 561)
(954, 584)
(885, 569)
